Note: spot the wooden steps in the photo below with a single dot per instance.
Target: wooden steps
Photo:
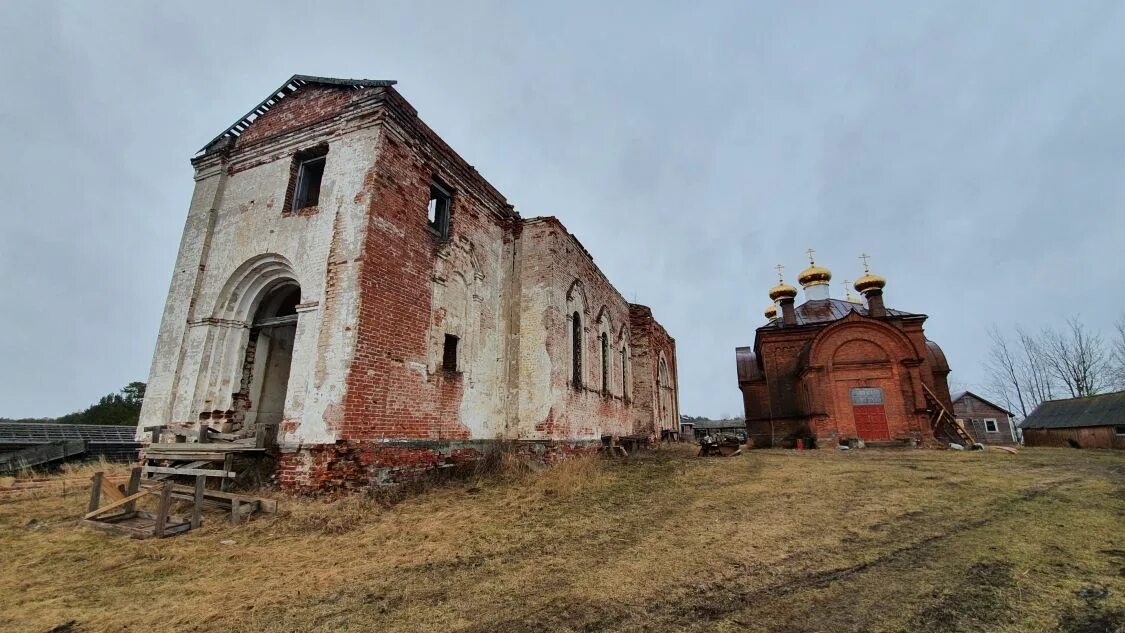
(943, 424)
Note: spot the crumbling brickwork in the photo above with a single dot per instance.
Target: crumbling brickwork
(382, 292)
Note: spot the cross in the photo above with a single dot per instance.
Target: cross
(779, 268)
(865, 257)
(810, 252)
(847, 289)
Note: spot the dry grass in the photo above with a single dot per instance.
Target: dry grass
(769, 541)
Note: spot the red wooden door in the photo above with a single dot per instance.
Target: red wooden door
(869, 413)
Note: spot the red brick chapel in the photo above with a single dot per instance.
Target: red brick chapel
(832, 371)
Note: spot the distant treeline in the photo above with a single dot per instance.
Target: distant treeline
(734, 419)
(122, 408)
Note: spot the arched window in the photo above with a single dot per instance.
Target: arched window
(576, 350)
(625, 372)
(605, 364)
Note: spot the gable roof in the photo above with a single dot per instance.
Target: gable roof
(291, 85)
(1104, 410)
(962, 394)
(818, 311)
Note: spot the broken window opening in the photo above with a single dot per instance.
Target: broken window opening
(309, 175)
(449, 355)
(576, 350)
(438, 210)
(305, 178)
(605, 364)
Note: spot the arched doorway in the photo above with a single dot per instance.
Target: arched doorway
(269, 354)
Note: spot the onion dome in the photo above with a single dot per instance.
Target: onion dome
(814, 275)
(782, 291)
(771, 312)
(848, 294)
(868, 281)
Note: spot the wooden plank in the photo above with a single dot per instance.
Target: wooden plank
(265, 506)
(207, 472)
(162, 511)
(195, 464)
(95, 492)
(207, 456)
(212, 447)
(115, 504)
(228, 466)
(133, 487)
(197, 509)
(110, 492)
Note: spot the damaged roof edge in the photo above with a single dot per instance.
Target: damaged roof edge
(290, 86)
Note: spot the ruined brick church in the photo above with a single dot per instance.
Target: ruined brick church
(349, 283)
(832, 371)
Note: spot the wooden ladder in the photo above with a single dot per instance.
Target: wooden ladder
(943, 424)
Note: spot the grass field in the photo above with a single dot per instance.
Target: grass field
(920, 541)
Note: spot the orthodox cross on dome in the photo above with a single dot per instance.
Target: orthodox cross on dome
(779, 268)
(865, 257)
(810, 252)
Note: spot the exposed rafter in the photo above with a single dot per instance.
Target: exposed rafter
(284, 91)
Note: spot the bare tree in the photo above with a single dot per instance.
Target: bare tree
(1035, 370)
(1117, 353)
(1004, 371)
(1019, 370)
(1077, 359)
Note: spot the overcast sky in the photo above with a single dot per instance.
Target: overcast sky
(976, 151)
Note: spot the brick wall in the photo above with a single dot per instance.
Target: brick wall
(808, 372)
(379, 293)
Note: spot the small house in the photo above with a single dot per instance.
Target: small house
(989, 423)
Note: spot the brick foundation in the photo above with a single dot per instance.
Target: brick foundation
(357, 465)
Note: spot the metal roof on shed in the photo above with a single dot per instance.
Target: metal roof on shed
(1103, 410)
(43, 432)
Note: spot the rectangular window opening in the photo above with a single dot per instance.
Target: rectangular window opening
(438, 209)
(990, 425)
(1119, 430)
(309, 174)
(449, 355)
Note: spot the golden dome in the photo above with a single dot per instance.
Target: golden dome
(782, 291)
(868, 281)
(848, 295)
(813, 275)
(771, 312)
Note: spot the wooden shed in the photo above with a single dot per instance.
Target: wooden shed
(1090, 422)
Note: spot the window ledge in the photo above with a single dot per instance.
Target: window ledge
(302, 212)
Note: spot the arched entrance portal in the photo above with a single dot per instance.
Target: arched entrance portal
(269, 353)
